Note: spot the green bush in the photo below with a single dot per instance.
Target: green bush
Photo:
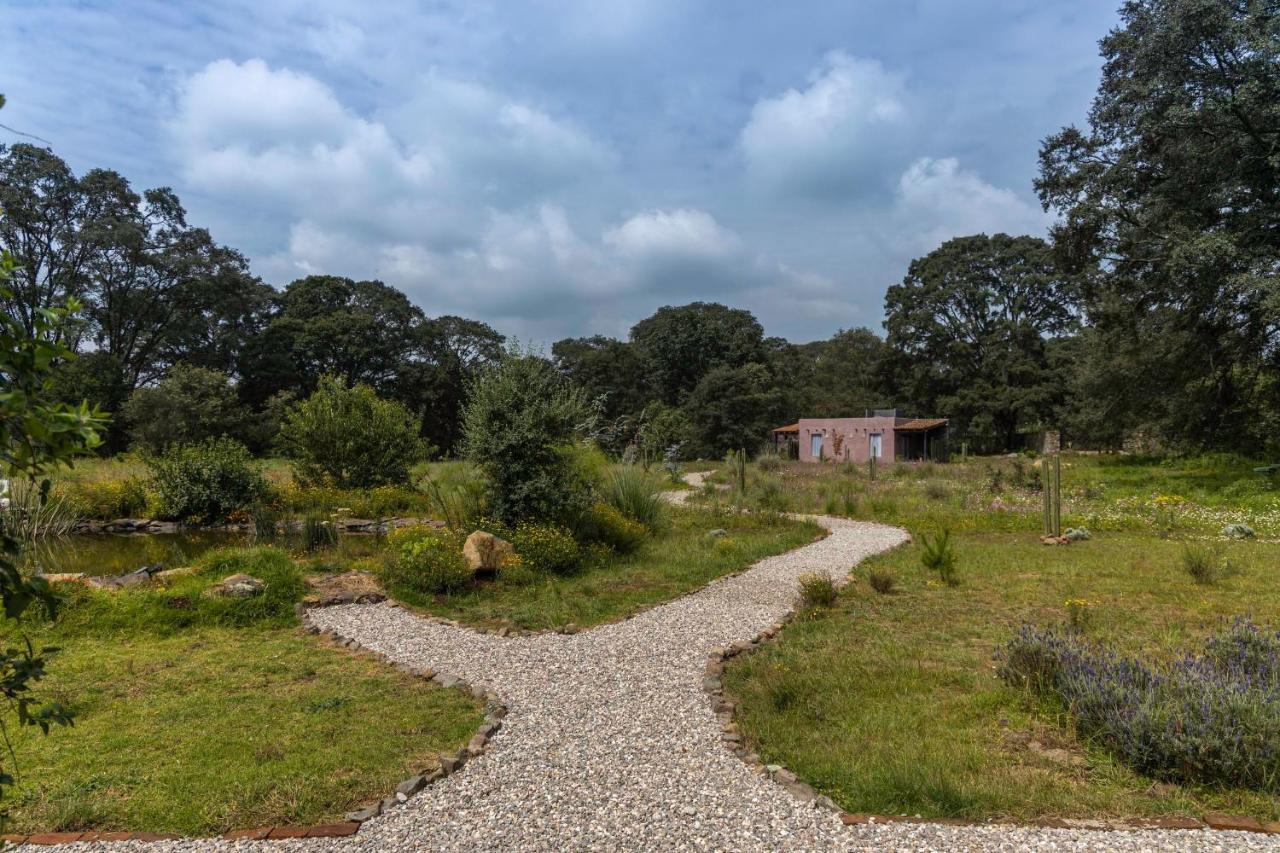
(635, 494)
(881, 581)
(546, 548)
(425, 560)
(817, 590)
(938, 556)
(351, 437)
(207, 481)
(606, 525)
(105, 499)
(518, 429)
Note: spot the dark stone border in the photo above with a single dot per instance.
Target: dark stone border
(447, 764)
(724, 708)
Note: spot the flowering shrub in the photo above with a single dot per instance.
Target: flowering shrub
(606, 525)
(426, 560)
(546, 548)
(1212, 718)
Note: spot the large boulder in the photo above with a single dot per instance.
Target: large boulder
(237, 586)
(485, 552)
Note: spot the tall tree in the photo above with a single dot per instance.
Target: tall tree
(967, 329)
(1170, 206)
(732, 408)
(154, 289)
(450, 353)
(845, 376)
(610, 371)
(681, 345)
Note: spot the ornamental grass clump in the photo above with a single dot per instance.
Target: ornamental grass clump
(1211, 718)
(816, 590)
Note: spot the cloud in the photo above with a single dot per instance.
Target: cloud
(937, 200)
(682, 232)
(825, 139)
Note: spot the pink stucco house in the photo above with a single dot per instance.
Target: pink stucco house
(883, 434)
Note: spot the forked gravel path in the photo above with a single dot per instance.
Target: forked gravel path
(610, 742)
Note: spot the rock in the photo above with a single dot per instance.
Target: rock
(65, 577)
(237, 586)
(181, 571)
(411, 786)
(717, 533)
(366, 813)
(485, 552)
(346, 588)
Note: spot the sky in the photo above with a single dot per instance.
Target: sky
(565, 168)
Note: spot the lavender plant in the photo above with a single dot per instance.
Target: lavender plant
(1208, 718)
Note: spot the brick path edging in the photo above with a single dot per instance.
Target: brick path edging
(447, 764)
(724, 707)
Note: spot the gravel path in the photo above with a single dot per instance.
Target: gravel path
(610, 742)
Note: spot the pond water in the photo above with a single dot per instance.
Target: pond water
(111, 554)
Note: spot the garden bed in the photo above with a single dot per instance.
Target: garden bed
(696, 548)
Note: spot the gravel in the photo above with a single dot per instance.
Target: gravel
(610, 742)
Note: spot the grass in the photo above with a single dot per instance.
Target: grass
(889, 703)
(197, 714)
(215, 728)
(1195, 496)
(679, 560)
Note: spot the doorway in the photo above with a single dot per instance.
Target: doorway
(815, 446)
(875, 445)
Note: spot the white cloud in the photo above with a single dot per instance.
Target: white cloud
(682, 232)
(830, 134)
(937, 200)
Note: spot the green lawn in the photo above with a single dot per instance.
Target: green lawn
(674, 562)
(212, 729)
(197, 714)
(1181, 497)
(890, 704)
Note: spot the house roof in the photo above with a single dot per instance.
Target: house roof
(795, 427)
(921, 425)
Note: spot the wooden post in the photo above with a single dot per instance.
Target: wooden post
(1057, 494)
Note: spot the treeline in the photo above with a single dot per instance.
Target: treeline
(1151, 312)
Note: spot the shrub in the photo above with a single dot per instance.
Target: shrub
(546, 548)
(190, 405)
(881, 581)
(1206, 565)
(938, 556)
(1238, 531)
(604, 524)
(425, 560)
(206, 481)
(351, 437)
(770, 463)
(636, 496)
(1211, 719)
(817, 590)
(768, 494)
(518, 428)
(106, 499)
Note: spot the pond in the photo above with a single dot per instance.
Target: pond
(112, 554)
